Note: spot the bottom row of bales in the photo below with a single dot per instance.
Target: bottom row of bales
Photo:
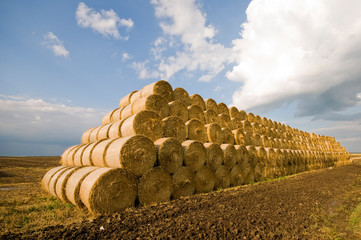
(117, 174)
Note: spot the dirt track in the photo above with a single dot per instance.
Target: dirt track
(313, 205)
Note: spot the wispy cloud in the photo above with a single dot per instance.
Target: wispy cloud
(55, 44)
(103, 22)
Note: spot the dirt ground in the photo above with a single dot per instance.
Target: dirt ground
(311, 205)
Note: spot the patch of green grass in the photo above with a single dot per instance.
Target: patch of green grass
(355, 219)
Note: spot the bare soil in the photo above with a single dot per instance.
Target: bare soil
(310, 205)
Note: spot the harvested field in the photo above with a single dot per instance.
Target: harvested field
(318, 204)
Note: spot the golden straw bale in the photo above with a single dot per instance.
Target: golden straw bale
(230, 155)
(247, 127)
(107, 117)
(244, 115)
(108, 190)
(47, 177)
(237, 123)
(78, 156)
(126, 99)
(225, 121)
(69, 160)
(252, 156)
(195, 111)
(126, 112)
(103, 132)
(152, 102)
(222, 109)
(135, 97)
(271, 163)
(115, 129)
(196, 130)
(161, 87)
(258, 119)
(265, 122)
(99, 151)
(183, 182)
(198, 100)
(182, 95)
(94, 134)
(117, 115)
(61, 184)
(238, 136)
(86, 135)
(234, 113)
(64, 156)
(174, 127)
(259, 172)
(257, 140)
(265, 141)
(263, 129)
(236, 176)
(227, 136)
(136, 154)
(87, 154)
(211, 104)
(53, 181)
(155, 186)
(145, 122)
(205, 180)
(73, 184)
(245, 162)
(178, 109)
(195, 154)
(251, 117)
(170, 154)
(255, 127)
(211, 116)
(223, 177)
(215, 155)
(214, 133)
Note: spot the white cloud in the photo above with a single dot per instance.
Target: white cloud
(126, 56)
(37, 121)
(299, 50)
(54, 43)
(103, 22)
(187, 33)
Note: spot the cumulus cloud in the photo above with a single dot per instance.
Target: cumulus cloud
(39, 122)
(54, 43)
(308, 51)
(103, 22)
(187, 33)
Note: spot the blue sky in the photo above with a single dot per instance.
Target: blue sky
(64, 64)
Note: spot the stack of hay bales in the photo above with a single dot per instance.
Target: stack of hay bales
(162, 143)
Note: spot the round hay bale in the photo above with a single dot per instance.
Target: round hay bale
(61, 183)
(155, 186)
(145, 122)
(103, 132)
(265, 141)
(234, 113)
(107, 117)
(265, 122)
(47, 177)
(196, 112)
(252, 156)
(87, 154)
(94, 134)
(117, 115)
(258, 119)
(126, 111)
(86, 135)
(211, 116)
(238, 136)
(259, 172)
(99, 152)
(222, 109)
(271, 163)
(108, 190)
(135, 97)
(247, 127)
(237, 123)
(227, 136)
(194, 154)
(174, 127)
(183, 182)
(211, 105)
(54, 179)
(126, 99)
(236, 176)
(257, 140)
(244, 115)
(262, 155)
(214, 133)
(223, 178)
(73, 184)
(115, 129)
(78, 156)
(225, 121)
(69, 161)
(136, 154)
(170, 154)
(230, 155)
(205, 180)
(196, 130)
(152, 102)
(256, 128)
(214, 155)
(248, 140)
(251, 117)
(198, 100)
(64, 156)
(243, 160)
(161, 87)
(178, 109)
(182, 95)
